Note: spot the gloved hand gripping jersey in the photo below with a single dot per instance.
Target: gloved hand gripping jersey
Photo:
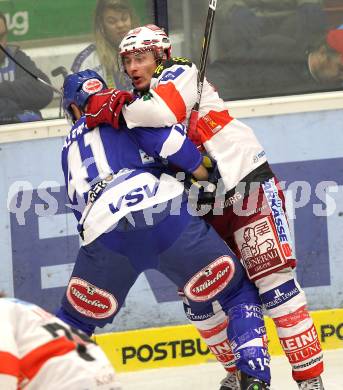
(106, 106)
(203, 192)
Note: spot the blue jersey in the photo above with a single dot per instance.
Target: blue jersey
(134, 163)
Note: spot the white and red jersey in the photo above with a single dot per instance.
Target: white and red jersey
(173, 93)
(39, 352)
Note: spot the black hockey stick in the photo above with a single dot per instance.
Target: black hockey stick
(60, 70)
(29, 72)
(193, 119)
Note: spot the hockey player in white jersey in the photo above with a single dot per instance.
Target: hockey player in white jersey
(38, 351)
(166, 90)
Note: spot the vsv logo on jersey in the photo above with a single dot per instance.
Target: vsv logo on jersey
(134, 197)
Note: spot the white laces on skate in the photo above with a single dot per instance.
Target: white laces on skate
(311, 384)
(230, 382)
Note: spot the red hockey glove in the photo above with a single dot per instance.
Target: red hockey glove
(105, 107)
(192, 131)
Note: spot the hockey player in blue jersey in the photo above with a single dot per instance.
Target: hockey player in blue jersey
(132, 215)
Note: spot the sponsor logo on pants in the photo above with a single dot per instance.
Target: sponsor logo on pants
(90, 300)
(259, 247)
(211, 280)
(301, 347)
(223, 353)
(280, 295)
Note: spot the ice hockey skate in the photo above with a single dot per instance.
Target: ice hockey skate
(250, 383)
(230, 382)
(311, 384)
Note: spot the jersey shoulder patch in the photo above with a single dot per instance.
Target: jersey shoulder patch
(171, 62)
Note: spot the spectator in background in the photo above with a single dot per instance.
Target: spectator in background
(325, 63)
(243, 22)
(112, 20)
(21, 96)
(280, 67)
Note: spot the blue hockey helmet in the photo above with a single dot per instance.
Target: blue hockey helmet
(78, 87)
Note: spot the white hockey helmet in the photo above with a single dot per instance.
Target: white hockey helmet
(148, 37)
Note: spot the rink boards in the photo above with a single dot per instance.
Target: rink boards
(35, 222)
(181, 345)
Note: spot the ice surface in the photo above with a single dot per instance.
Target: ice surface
(208, 376)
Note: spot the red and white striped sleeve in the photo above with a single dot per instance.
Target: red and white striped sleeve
(9, 359)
